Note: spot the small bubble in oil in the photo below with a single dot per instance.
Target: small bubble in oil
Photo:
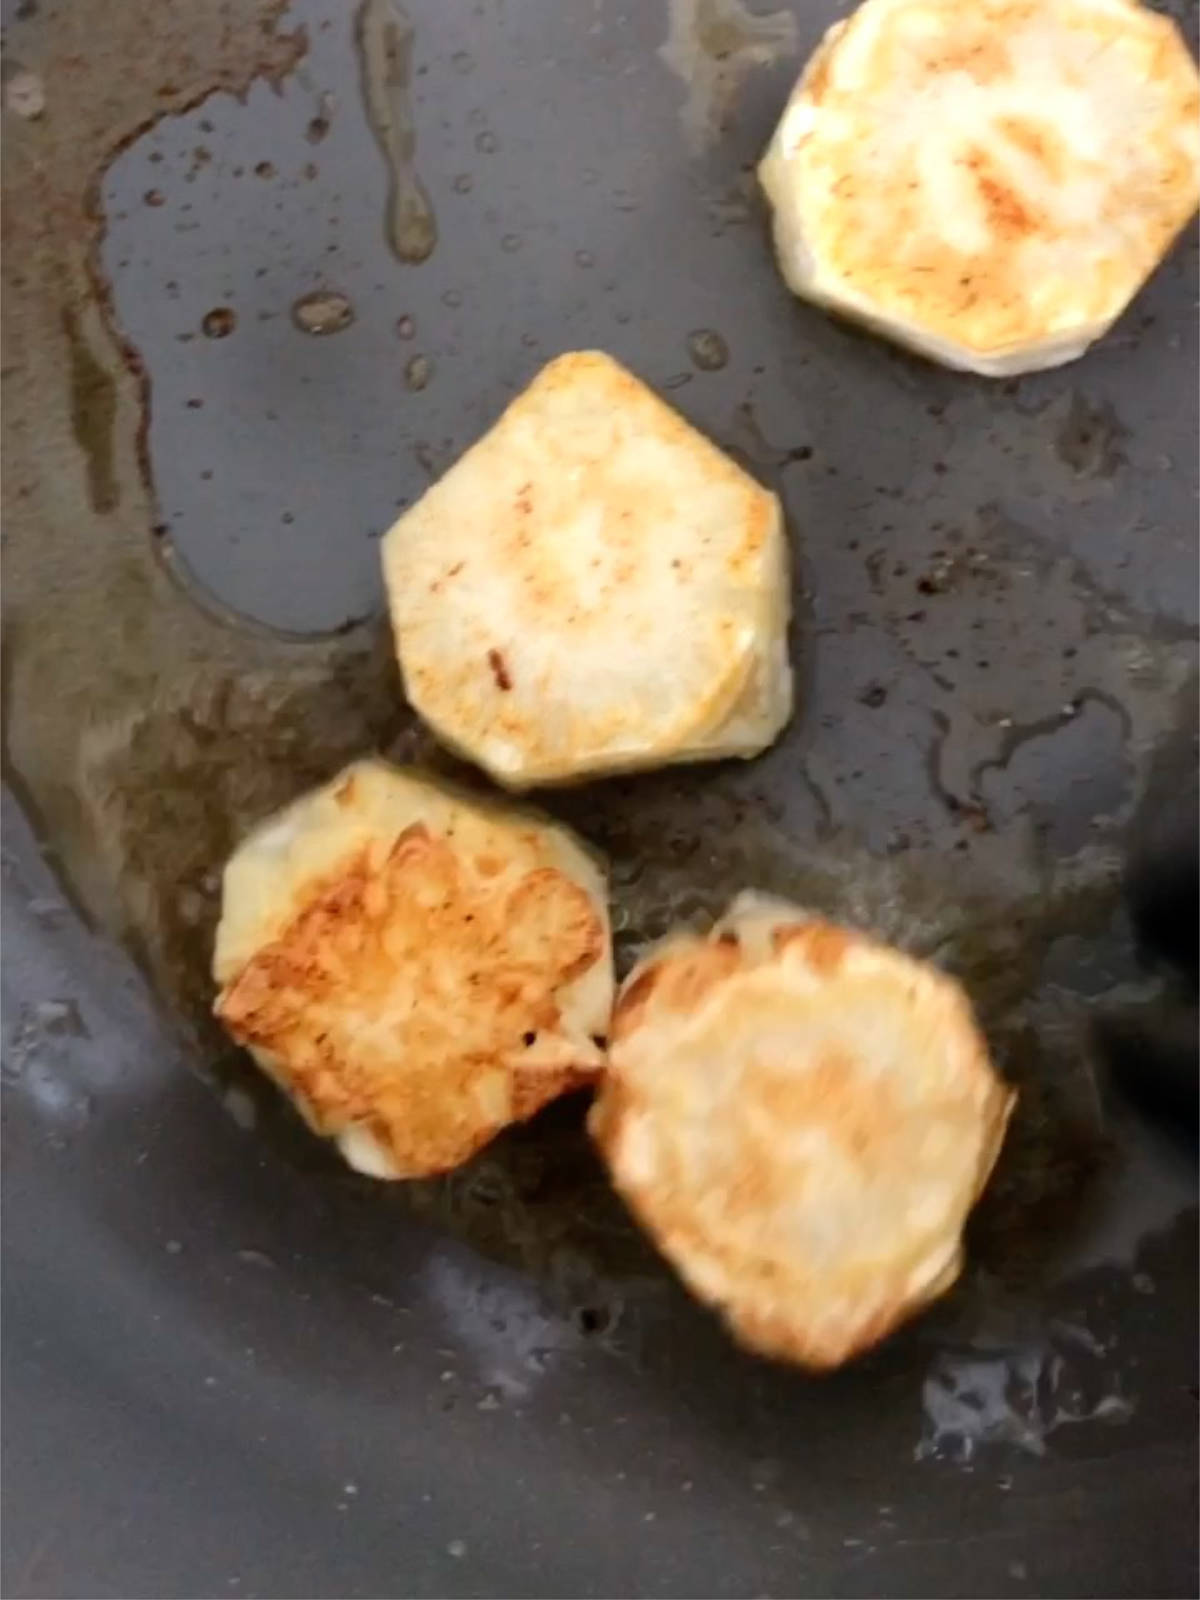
(452, 298)
(463, 183)
(510, 243)
(154, 197)
(405, 328)
(486, 143)
(708, 350)
(417, 372)
(463, 61)
(584, 258)
(323, 311)
(218, 323)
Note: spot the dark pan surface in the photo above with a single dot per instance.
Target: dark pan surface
(231, 1368)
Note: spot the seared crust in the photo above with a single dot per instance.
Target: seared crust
(593, 587)
(802, 1118)
(992, 182)
(424, 988)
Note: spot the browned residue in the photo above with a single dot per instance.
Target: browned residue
(93, 414)
(500, 674)
(102, 626)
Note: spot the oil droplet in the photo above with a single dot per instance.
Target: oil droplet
(265, 169)
(486, 143)
(154, 197)
(708, 350)
(417, 372)
(452, 298)
(219, 323)
(529, 340)
(384, 36)
(463, 61)
(405, 328)
(463, 183)
(511, 243)
(457, 1548)
(323, 311)
(584, 258)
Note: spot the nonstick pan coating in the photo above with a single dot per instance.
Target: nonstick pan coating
(232, 1368)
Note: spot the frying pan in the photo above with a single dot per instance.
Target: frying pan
(265, 276)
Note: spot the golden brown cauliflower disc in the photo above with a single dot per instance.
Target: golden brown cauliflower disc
(802, 1118)
(986, 181)
(414, 968)
(594, 587)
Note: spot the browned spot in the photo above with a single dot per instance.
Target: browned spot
(569, 933)
(500, 673)
(985, 60)
(691, 977)
(822, 945)
(524, 500)
(528, 1086)
(344, 793)
(816, 80)
(1038, 143)
(633, 1000)
(1006, 212)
